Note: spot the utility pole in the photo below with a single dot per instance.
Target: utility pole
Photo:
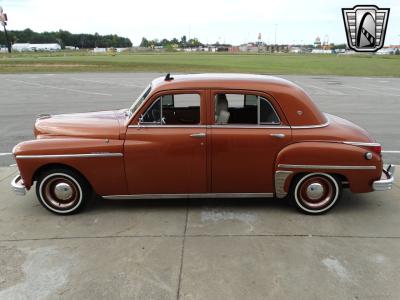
(3, 21)
(276, 28)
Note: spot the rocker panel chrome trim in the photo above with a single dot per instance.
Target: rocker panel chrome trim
(196, 195)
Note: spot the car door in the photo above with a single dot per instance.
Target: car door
(248, 131)
(166, 152)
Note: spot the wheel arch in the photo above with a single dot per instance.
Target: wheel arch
(50, 166)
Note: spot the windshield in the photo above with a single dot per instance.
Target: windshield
(139, 100)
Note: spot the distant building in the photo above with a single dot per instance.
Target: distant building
(295, 49)
(317, 42)
(386, 51)
(20, 47)
(121, 49)
(249, 47)
(322, 51)
(71, 48)
(99, 50)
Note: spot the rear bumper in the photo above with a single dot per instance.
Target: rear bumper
(386, 181)
(18, 186)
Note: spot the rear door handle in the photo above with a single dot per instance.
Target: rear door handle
(198, 135)
(278, 135)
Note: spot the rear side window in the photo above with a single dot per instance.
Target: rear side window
(267, 112)
(176, 109)
(244, 109)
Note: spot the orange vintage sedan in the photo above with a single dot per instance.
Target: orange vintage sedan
(203, 135)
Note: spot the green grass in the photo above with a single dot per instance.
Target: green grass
(307, 64)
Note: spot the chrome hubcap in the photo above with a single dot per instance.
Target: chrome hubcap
(315, 191)
(63, 191)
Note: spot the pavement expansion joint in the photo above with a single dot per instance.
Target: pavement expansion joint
(182, 252)
(204, 236)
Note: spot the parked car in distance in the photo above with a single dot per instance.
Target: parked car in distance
(203, 135)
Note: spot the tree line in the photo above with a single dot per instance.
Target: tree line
(182, 43)
(65, 38)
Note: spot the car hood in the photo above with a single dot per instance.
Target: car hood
(102, 124)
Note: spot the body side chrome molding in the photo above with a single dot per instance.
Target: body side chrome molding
(326, 167)
(100, 154)
(362, 144)
(195, 195)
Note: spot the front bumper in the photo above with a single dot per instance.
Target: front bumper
(386, 181)
(18, 186)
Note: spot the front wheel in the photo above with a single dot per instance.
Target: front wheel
(316, 193)
(62, 191)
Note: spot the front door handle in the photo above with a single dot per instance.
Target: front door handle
(278, 135)
(198, 135)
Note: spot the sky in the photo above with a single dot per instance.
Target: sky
(234, 21)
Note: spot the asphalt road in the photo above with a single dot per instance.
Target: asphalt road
(373, 103)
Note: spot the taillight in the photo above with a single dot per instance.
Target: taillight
(376, 148)
(373, 147)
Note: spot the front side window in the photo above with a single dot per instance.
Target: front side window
(244, 109)
(176, 109)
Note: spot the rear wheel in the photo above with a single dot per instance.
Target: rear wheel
(62, 191)
(316, 193)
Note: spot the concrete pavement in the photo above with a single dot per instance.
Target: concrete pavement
(200, 249)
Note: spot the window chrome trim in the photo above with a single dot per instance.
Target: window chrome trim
(100, 154)
(194, 195)
(326, 167)
(148, 125)
(238, 126)
(311, 126)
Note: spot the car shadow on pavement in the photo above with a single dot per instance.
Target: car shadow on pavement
(349, 202)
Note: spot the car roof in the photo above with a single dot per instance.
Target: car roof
(219, 80)
(295, 102)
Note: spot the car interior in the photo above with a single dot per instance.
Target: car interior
(178, 109)
(184, 109)
(243, 109)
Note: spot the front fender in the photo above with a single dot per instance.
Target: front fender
(100, 161)
(327, 157)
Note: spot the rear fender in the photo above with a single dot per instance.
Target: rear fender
(347, 161)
